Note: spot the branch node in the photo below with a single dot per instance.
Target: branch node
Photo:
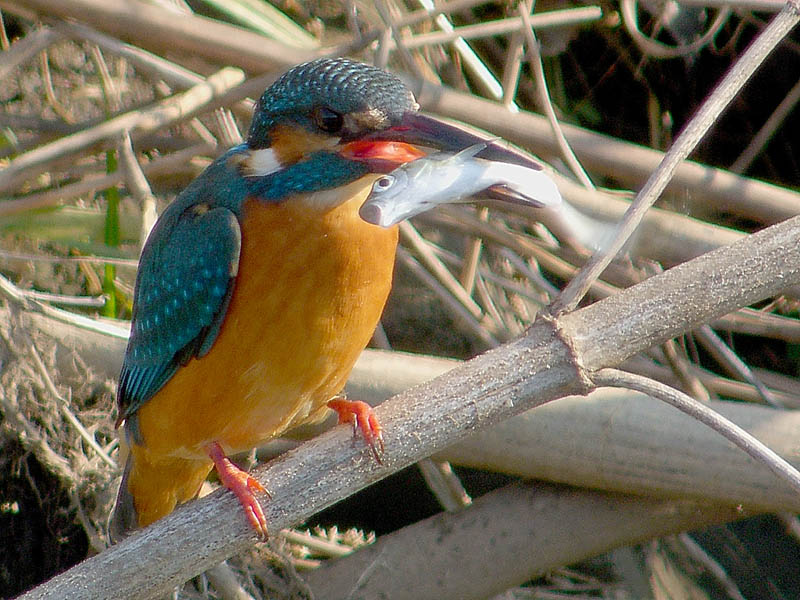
(584, 382)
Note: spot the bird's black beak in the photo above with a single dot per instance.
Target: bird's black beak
(416, 135)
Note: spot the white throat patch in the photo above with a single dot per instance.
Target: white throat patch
(259, 163)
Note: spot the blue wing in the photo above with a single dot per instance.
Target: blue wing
(186, 277)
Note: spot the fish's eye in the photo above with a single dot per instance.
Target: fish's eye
(328, 120)
(384, 183)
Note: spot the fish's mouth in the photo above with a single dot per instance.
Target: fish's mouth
(374, 214)
(387, 215)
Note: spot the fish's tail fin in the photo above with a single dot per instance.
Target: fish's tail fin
(577, 229)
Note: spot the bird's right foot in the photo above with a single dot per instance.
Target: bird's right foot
(244, 485)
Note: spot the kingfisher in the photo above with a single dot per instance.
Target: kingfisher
(260, 285)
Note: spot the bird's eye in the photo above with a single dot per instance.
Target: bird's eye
(328, 120)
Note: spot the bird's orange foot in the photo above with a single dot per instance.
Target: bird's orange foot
(362, 417)
(243, 485)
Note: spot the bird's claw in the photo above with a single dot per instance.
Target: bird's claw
(363, 418)
(244, 486)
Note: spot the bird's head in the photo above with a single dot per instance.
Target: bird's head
(328, 122)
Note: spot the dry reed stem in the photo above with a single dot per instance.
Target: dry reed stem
(157, 29)
(159, 166)
(26, 48)
(173, 110)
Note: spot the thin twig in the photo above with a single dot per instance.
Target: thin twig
(520, 243)
(172, 73)
(457, 308)
(4, 42)
(729, 360)
(49, 92)
(693, 408)
(514, 287)
(137, 184)
(9, 255)
(225, 583)
(161, 165)
(158, 29)
(730, 85)
(228, 129)
(512, 69)
(25, 48)
(717, 384)
(653, 47)
(470, 59)
(761, 324)
(62, 405)
(763, 136)
(556, 18)
(32, 440)
(385, 12)
(418, 16)
(111, 91)
(84, 301)
(535, 61)
(316, 543)
(682, 369)
(698, 553)
(740, 5)
(412, 237)
(472, 256)
(13, 293)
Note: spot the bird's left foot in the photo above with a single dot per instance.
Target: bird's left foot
(361, 415)
(244, 485)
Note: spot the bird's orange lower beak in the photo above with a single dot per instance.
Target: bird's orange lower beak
(381, 156)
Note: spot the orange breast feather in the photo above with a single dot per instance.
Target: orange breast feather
(310, 290)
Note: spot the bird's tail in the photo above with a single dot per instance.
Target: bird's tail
(123, 518)
(151, 490)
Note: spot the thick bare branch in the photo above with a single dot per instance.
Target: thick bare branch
(526, 529)
(541, 366)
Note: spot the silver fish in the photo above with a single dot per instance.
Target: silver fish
(422, 184)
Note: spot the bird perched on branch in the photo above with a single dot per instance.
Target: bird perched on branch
(260, 285)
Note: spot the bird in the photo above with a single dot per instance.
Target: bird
(260, 285)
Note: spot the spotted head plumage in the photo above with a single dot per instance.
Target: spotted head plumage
(334, 96)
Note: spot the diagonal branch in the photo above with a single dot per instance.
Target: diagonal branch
(548, 362)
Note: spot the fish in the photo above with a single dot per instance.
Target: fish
(436, 179)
